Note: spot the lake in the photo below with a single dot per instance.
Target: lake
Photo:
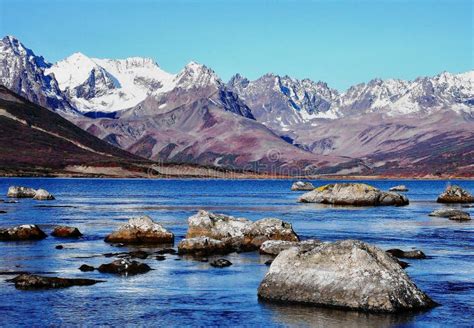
(181, 291)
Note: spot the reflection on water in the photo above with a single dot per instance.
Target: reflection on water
(189, 291)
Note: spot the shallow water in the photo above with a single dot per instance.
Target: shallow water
(186, 292)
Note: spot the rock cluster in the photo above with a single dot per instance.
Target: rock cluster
(141, 230)
(302, 186)
(353, 194)
(25, 192)
(455, 194)
(452, 214)
(348, 274)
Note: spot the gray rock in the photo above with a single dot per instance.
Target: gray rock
(21, 192)
(22, 232)
(202, 246)
(42, 194)
(348, 274)
(455, 194)
(452, 214)
(267, 229)
(353, 194)
(142, 230)
(400, 188)
(302, 186)
(275, 247)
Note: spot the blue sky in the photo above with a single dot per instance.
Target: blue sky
(339, 42)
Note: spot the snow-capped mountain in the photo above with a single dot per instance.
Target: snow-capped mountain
(108, 85)
(23, 72)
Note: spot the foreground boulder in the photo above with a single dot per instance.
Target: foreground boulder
(66, 232)
(455, 194)
(349, 274)
(141, 230)
(266, 229)
(23, 232)
(124, 267)
(302, 186)
(202, 246)
(451, 214)
(275, 247)
(21, 192)
(30, 281)
(400, 188)
(353, 194)
(414, 254)
(42, 194)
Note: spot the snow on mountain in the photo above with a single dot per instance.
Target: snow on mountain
(108, 85)
(24, 73)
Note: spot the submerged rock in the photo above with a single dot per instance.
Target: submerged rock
(66, 232)
(414, 254)
(348, 274)
(201, 246)
(30, 281)
(142, 230)
(42, 194)
(275, 247)
(166, 251)
(21, 192)
(455, 194)
(400, 188)
(221, 263)
(124, 267)
(452, 214)
(353, 194)
(23, 232)
(302, 186)
(59, 247)
(86, 268)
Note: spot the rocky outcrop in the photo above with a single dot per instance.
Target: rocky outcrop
(202, 246)
(30, 281)
(400, 188)
(302, 186)
(266, 229)
(236, 233)
(455, 194)
(124, 267)
(220, 263)
(353, 194)
(42, 194)
(66, 232)
(275, 247)
(452, 214)
(347, 274)
(414, 254)
(23, 232)
(21, 192)
(142, 230)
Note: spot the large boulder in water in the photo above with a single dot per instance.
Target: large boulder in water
(66, 232)
(455, 194)
(202, 246)
(302, 186)
(452, 214)
(21, 192)
(275, 247)
(141, 230)
(354, 194)
(22, 232)
(30, 281)
(348, 274)
(266, 229)
(124, 267)
(42, 194)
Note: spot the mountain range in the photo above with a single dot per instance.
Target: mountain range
(272, 124)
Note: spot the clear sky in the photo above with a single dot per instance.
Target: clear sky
(339, 42)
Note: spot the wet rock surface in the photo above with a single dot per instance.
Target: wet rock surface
(30, 281)
(347, 274)
(124, 267)
(413, 254)
(142, 230)
(66, 232)
(275, 247)
(22, 232)
(452, 214)
(455, 194)
(220, 263)
(302, 186)
(353, 194)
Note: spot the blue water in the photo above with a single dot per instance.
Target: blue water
(186, 292)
